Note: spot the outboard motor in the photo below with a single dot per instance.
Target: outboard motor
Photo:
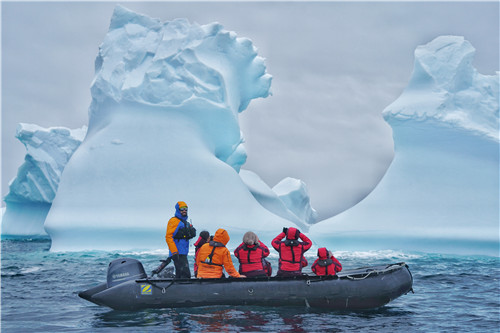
(124, 269)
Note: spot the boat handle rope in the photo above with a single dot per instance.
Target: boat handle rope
(164, 289)
(361, 278)
(388, 267)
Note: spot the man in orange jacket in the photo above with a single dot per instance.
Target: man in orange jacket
(214, 256)
(179, 232)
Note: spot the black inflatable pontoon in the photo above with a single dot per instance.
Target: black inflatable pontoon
(129, 288)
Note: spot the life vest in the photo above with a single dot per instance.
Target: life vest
(324, 265)
(209, 259)
(185, 232)
(251, 258)
(291, 250)
(214, 257)
(296, 254)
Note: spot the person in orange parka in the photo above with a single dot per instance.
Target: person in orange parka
(326, 264)
(214, 257)
(179, 232)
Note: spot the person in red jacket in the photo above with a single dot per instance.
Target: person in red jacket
(251, 254)
(291, 251)
(202, 239)
(326, 264)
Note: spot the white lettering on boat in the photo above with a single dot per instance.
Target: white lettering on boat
(120, 275)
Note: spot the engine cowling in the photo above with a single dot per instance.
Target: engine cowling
(124, 269)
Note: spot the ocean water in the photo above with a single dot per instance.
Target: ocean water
(40, 294)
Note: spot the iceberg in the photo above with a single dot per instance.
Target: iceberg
(290, 201)
(32, 191)
(443, 184)
(293, 192)
(163, 127)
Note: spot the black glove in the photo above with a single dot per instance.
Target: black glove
(285, 230)
(175, 257)
(297, 234)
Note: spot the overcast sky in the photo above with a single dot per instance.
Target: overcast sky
(335, 67)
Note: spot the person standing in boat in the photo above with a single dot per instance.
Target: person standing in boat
(291, 251)
(326, 264)
(202, 239)
(214, 257)
(251, 255)
(179, 232)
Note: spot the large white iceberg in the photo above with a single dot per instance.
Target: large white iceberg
(163, 127)
(443, 184)
(32, 191)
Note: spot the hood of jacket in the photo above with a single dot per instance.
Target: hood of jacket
(292, 233)
(178, 212)
(221, 236)
(322, 253)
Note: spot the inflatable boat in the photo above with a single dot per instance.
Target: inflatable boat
(129, 288)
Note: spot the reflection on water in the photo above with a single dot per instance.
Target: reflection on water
(254, 319)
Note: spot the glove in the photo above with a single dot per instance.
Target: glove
(285, 230)
(175, 257)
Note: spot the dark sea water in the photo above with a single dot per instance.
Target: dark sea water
(40, 294)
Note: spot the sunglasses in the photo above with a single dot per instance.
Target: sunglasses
(184, 209)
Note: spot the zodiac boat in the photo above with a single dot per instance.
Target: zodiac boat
(129, 288)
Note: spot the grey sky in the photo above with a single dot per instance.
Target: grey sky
(335, 67)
